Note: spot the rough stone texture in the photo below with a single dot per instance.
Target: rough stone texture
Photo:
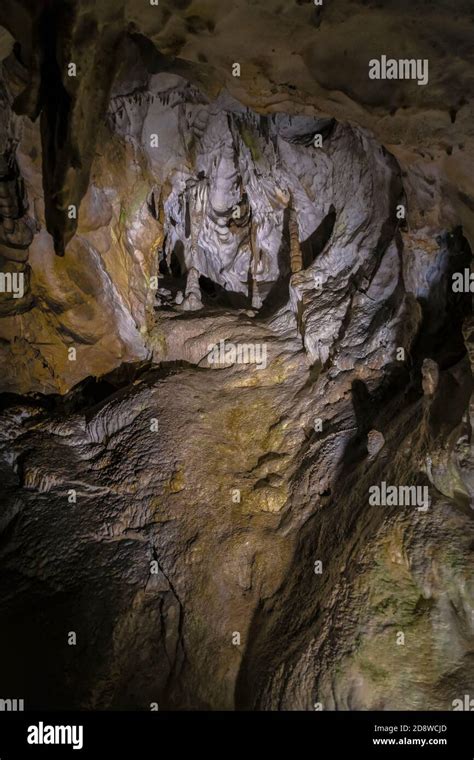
(292, 55)
(159, 502)
(98, 299)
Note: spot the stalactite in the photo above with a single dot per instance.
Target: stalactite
(296, 256)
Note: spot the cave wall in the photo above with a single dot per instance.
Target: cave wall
(352, 301)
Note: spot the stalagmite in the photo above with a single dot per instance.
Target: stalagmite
(430, 374)
(192, 298)
(375, 443)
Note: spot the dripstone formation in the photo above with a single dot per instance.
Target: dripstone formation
(227, 315)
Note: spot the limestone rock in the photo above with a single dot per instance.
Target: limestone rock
(192, 397)
(375, 443)
(430, 371)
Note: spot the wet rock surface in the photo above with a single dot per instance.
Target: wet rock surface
(252, 336)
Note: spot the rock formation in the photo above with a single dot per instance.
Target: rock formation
(249, 338)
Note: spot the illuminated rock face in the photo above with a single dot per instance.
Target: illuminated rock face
(224, 177)
(208, 188)
(262, 283)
